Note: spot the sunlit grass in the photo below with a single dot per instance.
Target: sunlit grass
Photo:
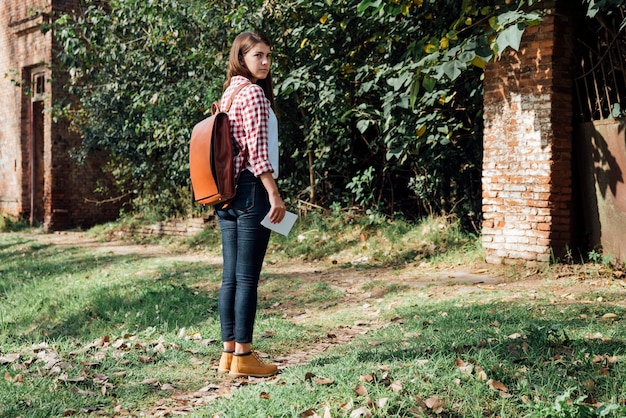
(97, 331)
(458, 358)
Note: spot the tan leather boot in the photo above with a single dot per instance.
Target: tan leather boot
(225, 360)
(249, 364)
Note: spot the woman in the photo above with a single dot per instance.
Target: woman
(244, 240)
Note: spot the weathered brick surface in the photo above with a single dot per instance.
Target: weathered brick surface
(527, 161)
(65, 190)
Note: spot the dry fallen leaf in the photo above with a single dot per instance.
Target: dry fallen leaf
(308, 413)
(360, 390)
(464, 368)
(150, 382)
(609, 316)
(264, 395)
(323, 381)
(361, 412)
(268, 334)
(434, 404)
(195, 361)
(347, 405)
(396, 386)
(9, 358)
(497, 386)
(367, 378)
(83, 392)
(597, 336)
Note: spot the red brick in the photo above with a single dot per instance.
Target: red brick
(527, 146)
(64, 188)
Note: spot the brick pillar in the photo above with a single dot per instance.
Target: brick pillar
(527, 161)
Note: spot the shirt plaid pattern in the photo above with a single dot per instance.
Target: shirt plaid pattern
(249, 116)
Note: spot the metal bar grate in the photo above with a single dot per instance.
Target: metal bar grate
(601, 79)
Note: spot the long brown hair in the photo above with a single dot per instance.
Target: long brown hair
(243, 43)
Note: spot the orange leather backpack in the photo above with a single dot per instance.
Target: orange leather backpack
(211, 163)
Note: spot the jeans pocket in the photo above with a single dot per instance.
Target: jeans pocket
(244, 198)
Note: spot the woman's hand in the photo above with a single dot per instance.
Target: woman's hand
(277, 206)
(277, 210)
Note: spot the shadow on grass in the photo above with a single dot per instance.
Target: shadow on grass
(39, 262)
(164, 297)
(159, 302)
(499, 327)
(515, 344)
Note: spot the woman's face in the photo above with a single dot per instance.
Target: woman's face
(258, 60)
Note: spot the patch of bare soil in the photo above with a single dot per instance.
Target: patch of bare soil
(564, 283)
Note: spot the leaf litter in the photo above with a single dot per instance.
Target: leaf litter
(569, 285)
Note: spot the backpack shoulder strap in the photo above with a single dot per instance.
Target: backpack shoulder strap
(215, 108)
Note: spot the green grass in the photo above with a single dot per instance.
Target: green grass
(99, 332)
(537, 351)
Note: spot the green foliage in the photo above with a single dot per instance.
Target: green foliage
(545, 335)
(9, 223)
(144, 73)
(596, 6)
(351, 77)
(565, 407)
(380, 102)
(372, 239)
(600, 258)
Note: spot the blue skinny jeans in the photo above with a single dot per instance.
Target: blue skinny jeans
(244, 243)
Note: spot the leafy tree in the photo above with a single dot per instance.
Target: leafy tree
(606, 6)
(144, 72)
(390, 98)
(380, 101)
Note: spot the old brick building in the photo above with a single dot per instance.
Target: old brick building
(553, 186)
(39, 180)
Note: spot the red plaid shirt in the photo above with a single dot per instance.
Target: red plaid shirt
(249, 115)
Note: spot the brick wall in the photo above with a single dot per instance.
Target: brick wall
(65, 190)
(527, 161)
(21, 47)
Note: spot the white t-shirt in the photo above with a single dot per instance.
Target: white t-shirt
(273, 142)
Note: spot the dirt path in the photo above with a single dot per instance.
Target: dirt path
(566, 282)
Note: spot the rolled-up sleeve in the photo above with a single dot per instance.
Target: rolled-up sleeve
(255, 114)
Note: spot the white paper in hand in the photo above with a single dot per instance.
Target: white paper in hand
(284, 226)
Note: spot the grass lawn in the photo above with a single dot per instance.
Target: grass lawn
(359, 327)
